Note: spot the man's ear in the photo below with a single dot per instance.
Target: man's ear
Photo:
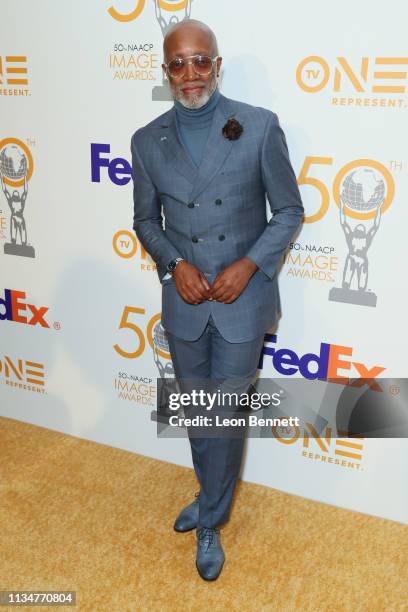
(219, 62)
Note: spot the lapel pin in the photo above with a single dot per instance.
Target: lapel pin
(163, 138)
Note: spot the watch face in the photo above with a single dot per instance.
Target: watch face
(173, 264)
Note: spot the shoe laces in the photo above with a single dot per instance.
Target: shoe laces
(208, 534)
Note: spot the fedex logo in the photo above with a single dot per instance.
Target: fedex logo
(119, 169)
(327, 365)
(14, 308)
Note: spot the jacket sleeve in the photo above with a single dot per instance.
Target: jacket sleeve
(147, 217)
(283, 196)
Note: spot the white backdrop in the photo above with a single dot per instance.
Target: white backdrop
(337, 79)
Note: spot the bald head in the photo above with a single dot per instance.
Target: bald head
(195, 33)
(186, 39)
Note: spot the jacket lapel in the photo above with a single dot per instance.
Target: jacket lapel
(170, 143)
(217, 147)
(216, 150)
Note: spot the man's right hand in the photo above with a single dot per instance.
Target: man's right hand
(191, 283)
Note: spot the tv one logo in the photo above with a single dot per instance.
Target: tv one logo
(126, 246)
(378, 75)
(328, 364)
(18, 372)
(324, 448)
(13, 70)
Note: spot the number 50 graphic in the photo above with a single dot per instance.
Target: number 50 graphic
(125, 323)
(167, 6)
(305, 179)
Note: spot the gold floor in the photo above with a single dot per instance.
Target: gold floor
(81, 516)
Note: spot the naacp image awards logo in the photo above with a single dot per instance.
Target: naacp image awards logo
(15, 172)
(362, 191)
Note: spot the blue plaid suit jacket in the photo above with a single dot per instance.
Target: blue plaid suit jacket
(216, 214)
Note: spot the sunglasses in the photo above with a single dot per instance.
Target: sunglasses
(202, 65)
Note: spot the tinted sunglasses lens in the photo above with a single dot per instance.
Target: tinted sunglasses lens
(176, 67)
(202, 64)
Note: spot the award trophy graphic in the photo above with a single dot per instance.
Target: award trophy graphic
(168, 383)
(13, 168)
(179, 11)
(363, 190)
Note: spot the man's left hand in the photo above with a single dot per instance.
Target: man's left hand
(230, 283)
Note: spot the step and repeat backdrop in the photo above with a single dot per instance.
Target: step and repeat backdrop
(81, 343)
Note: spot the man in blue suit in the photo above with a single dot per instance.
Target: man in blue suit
(208, 165)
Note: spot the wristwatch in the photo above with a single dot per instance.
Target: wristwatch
(173, 264)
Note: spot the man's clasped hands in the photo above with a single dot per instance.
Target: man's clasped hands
(194, 288)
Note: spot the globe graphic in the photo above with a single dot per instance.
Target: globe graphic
(363, 190)
(160, 338)
(13, 163)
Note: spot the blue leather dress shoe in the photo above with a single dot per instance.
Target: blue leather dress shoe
(188, 518)
(210, 555)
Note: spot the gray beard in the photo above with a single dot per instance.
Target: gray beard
(196, 101)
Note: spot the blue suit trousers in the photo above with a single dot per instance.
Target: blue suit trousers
(216, 460)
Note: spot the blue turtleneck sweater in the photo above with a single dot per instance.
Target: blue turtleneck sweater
(194, 125)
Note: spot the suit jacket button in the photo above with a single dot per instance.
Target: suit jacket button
(218, 201)
(194, 239)
(221, 237)
(190, 204)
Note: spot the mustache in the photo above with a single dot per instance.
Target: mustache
(186, 86)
